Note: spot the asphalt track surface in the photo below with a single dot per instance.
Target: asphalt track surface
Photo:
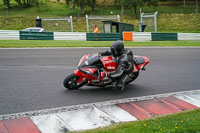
(31, 79)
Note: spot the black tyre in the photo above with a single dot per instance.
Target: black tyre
(132, 77)
(70, 82)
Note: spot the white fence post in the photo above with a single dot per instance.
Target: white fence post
(155, 20)
(86, 16)
(118, 18)
(71, 20)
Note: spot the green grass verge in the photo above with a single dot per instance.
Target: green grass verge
(42, 43)
(184, 122)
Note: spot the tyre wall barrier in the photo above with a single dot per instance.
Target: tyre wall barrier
(36, 35)
(104, 36)
(164, 36)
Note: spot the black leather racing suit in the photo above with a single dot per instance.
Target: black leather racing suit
(125, 66)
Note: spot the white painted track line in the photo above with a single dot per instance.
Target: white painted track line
(50, 124)
(118, 113)
(191, 98)
(87, 118)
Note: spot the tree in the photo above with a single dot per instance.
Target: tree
(25, 3)
(122, 3)
(80, 3)
(74, 2)
(19, 2)
(82, 6)
(151, 3)
(83, 3)
(93, 4)
(40, 3)
(67, 1)
(135, 3)
(6, 3)
(196, 6)
(183, 3)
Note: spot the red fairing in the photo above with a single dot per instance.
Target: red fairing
(77, 73)
(146, 60)
(83, 58)
(138, 67)
(109, 64)
(135, 68)
(89, 76)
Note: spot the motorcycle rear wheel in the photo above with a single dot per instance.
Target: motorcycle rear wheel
(70, 82)
(132, 77)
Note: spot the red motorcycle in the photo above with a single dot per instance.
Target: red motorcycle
(90, 70)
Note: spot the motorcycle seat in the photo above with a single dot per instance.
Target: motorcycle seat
(138, 60)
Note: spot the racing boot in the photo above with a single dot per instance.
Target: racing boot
(120, 86)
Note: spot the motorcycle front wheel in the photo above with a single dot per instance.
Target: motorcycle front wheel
(70, 82)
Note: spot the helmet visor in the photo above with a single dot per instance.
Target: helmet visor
(114, 51)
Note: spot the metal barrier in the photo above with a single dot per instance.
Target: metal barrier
(137, 36)
(142, 36)
(188, 36)
(9, 35)
(69, 36)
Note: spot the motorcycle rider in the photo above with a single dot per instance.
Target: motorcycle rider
(124, 59)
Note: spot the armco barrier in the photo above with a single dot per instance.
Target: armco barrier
(141, 36)
(9, 35)
(36, 35)
(164, 36)
(137, 36)
(104, 36)
(69, 36)
(188, 36)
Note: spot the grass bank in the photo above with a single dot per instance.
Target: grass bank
(184, 122)
(172, 16)
(56, 9)
(188, 23)
(42, 43)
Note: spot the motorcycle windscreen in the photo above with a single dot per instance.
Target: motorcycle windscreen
(92, 60)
